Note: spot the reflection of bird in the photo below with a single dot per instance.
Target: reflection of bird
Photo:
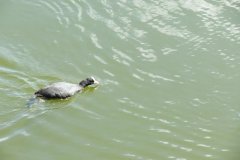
(63, 90)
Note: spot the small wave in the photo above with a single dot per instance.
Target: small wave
(91, 114)
(201, 6)
(99, 59)
(154, 76)
(21, 132)
(95, 41)
(109, 73)
(60, 10)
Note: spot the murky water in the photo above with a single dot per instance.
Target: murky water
(169, 73)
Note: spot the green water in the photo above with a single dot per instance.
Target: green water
(169, 74)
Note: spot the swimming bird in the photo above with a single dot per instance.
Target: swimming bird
(62, 90)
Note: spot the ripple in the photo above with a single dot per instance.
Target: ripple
(7, 55)
(108, 73)
(176, 146)
(108, 8)
(147, 54)
(201, 6)
(118, 59)
(233, 4)
(92, 13)
(116, 28)
(160, 130)
(111, 82)
(203, 145)
(138, 113)
(61, 11)
(205, 130)
(9, 123)
(137, 77)
(134, 156)
(95, 41)
(155, 76)
(133, 104)
(158, 15)
(167, 51)
(122, 55)
(213, 19)
(169, 30)
(17, 122)
(14, 134)
(14, 80)
(148, 11)
(92, 114)
(99, 59)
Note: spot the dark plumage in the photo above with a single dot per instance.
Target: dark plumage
(63, 90)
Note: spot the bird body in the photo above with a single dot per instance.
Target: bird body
(63, 90)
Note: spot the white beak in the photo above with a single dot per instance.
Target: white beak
(95, 81)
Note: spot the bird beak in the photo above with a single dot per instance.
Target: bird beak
(95, 81)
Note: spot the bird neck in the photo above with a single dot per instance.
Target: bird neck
(83, 83)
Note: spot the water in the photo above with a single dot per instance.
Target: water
(169, 73)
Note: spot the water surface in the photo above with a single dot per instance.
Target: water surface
(169, 73)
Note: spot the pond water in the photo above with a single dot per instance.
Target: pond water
(169, 74)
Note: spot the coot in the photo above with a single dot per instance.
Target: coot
(64, 90)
